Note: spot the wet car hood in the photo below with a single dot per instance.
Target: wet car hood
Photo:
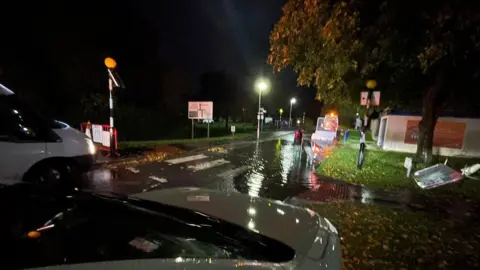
(293, 226)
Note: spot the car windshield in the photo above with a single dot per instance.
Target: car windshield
(105, 228)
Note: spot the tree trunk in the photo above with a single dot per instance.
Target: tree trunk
(429, 134)
(427, 124)
(420, 140)
(226, 120)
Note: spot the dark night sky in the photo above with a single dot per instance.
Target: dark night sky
(225, 34)
(198, 36)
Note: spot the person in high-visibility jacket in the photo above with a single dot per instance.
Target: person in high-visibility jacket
(298, 135)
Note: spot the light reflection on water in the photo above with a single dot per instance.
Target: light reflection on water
(287, 161)
(278, 170)
(275, 169)
(255, 177)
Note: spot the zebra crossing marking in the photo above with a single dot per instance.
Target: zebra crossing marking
(186, 159)
(208, 165)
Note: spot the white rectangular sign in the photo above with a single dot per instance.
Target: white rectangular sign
(408, 163)
(375, 98)
(232, 129)
(106, 138)
(97, 132)
(200, 110)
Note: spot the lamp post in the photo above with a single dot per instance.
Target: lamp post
(371, 84)
(280, 120)
(261, 85)
(292, 101)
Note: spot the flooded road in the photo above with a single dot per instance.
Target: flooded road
(274, 169)
(379, 228)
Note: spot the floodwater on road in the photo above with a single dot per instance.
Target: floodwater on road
(275, 169)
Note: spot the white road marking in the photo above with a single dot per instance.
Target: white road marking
(208, 165)
(185, 159)
(233, 173)
(156, 178)
(132, 169)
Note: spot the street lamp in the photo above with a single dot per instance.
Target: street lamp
(292, 101)
(261, 85)
(371, 84)
(280, 120)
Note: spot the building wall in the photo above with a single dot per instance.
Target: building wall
(394, 139)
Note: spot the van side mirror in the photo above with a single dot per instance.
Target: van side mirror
(6, 138)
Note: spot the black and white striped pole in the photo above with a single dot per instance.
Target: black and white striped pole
(112, 82)
(110, 102)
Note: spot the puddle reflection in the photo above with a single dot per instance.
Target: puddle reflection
(112, 180)
(255, 177)
(277, 170)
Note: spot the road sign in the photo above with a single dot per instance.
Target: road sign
(232, 129)
(200, 110)
(408, 164)
(375, 98)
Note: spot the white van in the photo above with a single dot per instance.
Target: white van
(34, 149)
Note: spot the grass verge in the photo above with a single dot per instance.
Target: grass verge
(354, 137)
(155, 143)
(380, 237)
(382, 169)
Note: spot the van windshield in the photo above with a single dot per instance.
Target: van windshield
(20, 117)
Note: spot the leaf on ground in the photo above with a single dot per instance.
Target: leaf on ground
(381, 237)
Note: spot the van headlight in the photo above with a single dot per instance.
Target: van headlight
(91, 146)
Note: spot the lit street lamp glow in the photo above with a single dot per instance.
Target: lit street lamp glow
(262, 86)
(292, 101)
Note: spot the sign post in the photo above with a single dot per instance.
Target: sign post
(232, 129)
(193, 129)
(200, 110)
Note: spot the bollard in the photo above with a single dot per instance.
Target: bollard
(346, 135)
(361, 156)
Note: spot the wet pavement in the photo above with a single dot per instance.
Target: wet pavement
(272, 168)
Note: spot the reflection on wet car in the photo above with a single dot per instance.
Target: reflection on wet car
(173, 225)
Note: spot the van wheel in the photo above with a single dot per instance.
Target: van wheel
(54, 177)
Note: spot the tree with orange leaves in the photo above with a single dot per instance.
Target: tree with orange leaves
(422, 53)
